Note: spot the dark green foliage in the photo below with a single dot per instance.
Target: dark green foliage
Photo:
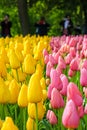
(54, 11)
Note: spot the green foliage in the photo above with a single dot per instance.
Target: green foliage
(54, 11)
(13, 12)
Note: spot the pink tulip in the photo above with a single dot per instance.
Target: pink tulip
(72, 42)
(51, 59)
(74, 65)
(74, 94)
(59, 70)
(82, 54)
(72, 51)
(81, 111)
(48, 68)
(70, 117)
(48, 114)
(65, 84)
(50, 87)
(45, 52)
(85, 53)
(55, 79)
(68, 58)
(71, 73)
(52, 118)
(83, 77)
(84, 64)
(67, 39)
(79, 46)
(46, 59)
(61, 63)
(56, 99)
(64, 49)
(56, 57)
(84, 47)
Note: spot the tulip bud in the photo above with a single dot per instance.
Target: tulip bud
(29, 64)
(1, 123)
(52, 117)
(4, 92)
(3, 70)
(74, 94)
(34, 89)
(56, 99)
(32, 110)
(19, 55)
(9, 124)
(70, 117)
(43, 83)
(83, 77)
(14, 91)
(22, 97)
(13, 59)
(30, 125)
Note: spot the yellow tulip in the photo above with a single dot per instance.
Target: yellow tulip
(32, 110)
(13, 59)
(9, 77)
(3, 70)
(2, 41)
(19, 46)
(43, 83)
(27, 47)
(30, 125)
(4, 92)
(11, 44)
(39, 70)
(9, 124)
(19, 55)
(3, 55)
(22, 98)
(29, 64)
(22, 75)
(34, 89)
(7, 40)
(1, 123)
(37, 54)
(39, 49)
(44, 94)
(14, 91)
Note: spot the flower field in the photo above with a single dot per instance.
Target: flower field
(43, 83)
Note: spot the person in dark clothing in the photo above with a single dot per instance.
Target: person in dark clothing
(66, 25)
(42, 27)
(6, 25)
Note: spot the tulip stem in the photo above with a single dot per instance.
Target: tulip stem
(16, 114)
(2, 114)
(6, 110)
(36, 116)
(24, 118)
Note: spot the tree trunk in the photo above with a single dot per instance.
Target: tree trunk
(23, 15)
(84, 6)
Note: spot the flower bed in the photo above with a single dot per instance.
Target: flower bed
(43, 83)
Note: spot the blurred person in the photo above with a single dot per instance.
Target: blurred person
(67, 25)
(42, 27)
(6, 25)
